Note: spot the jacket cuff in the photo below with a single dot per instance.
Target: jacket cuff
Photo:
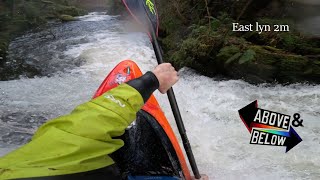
(145, 85)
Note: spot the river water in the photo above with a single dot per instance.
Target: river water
(76, 56)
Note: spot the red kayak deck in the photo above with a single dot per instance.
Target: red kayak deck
(126, 71)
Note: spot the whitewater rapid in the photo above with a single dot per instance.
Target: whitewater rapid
(82, 53)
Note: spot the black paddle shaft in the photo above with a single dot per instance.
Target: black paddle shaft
(145, 13)
(176, 112)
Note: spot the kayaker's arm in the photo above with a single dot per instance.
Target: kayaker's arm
(77, 142)
(145, 85)
(112, 112)
(81, 141)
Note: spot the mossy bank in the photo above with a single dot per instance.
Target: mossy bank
(199, 34)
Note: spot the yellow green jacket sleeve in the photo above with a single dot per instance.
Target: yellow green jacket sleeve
(78, 142)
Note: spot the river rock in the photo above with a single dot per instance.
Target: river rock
(66, 18)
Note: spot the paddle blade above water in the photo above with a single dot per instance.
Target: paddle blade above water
(145, 12)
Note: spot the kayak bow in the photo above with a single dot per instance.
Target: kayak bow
(151, 147)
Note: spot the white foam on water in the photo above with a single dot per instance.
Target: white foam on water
(96, 16)
(209, 108)
(220, 140)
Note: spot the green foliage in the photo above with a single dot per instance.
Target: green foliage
(195, 48)
(233, 58)
(289, 41)
(215, 24)
(232, 53)
(247, 56)
(180, 59)
(228, 52)
(171, 24)
(199, 31)
(225, 18)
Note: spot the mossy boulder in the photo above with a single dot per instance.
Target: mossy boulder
(69, 10)
(198, 49)
(291, 41)
(211, 53)
(200, 36)
(261, 64)
(10, 71)
(66, 18)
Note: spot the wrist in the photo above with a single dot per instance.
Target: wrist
(145, 84)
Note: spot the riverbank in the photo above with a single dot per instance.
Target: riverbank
(19, 17)
(200, 35)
